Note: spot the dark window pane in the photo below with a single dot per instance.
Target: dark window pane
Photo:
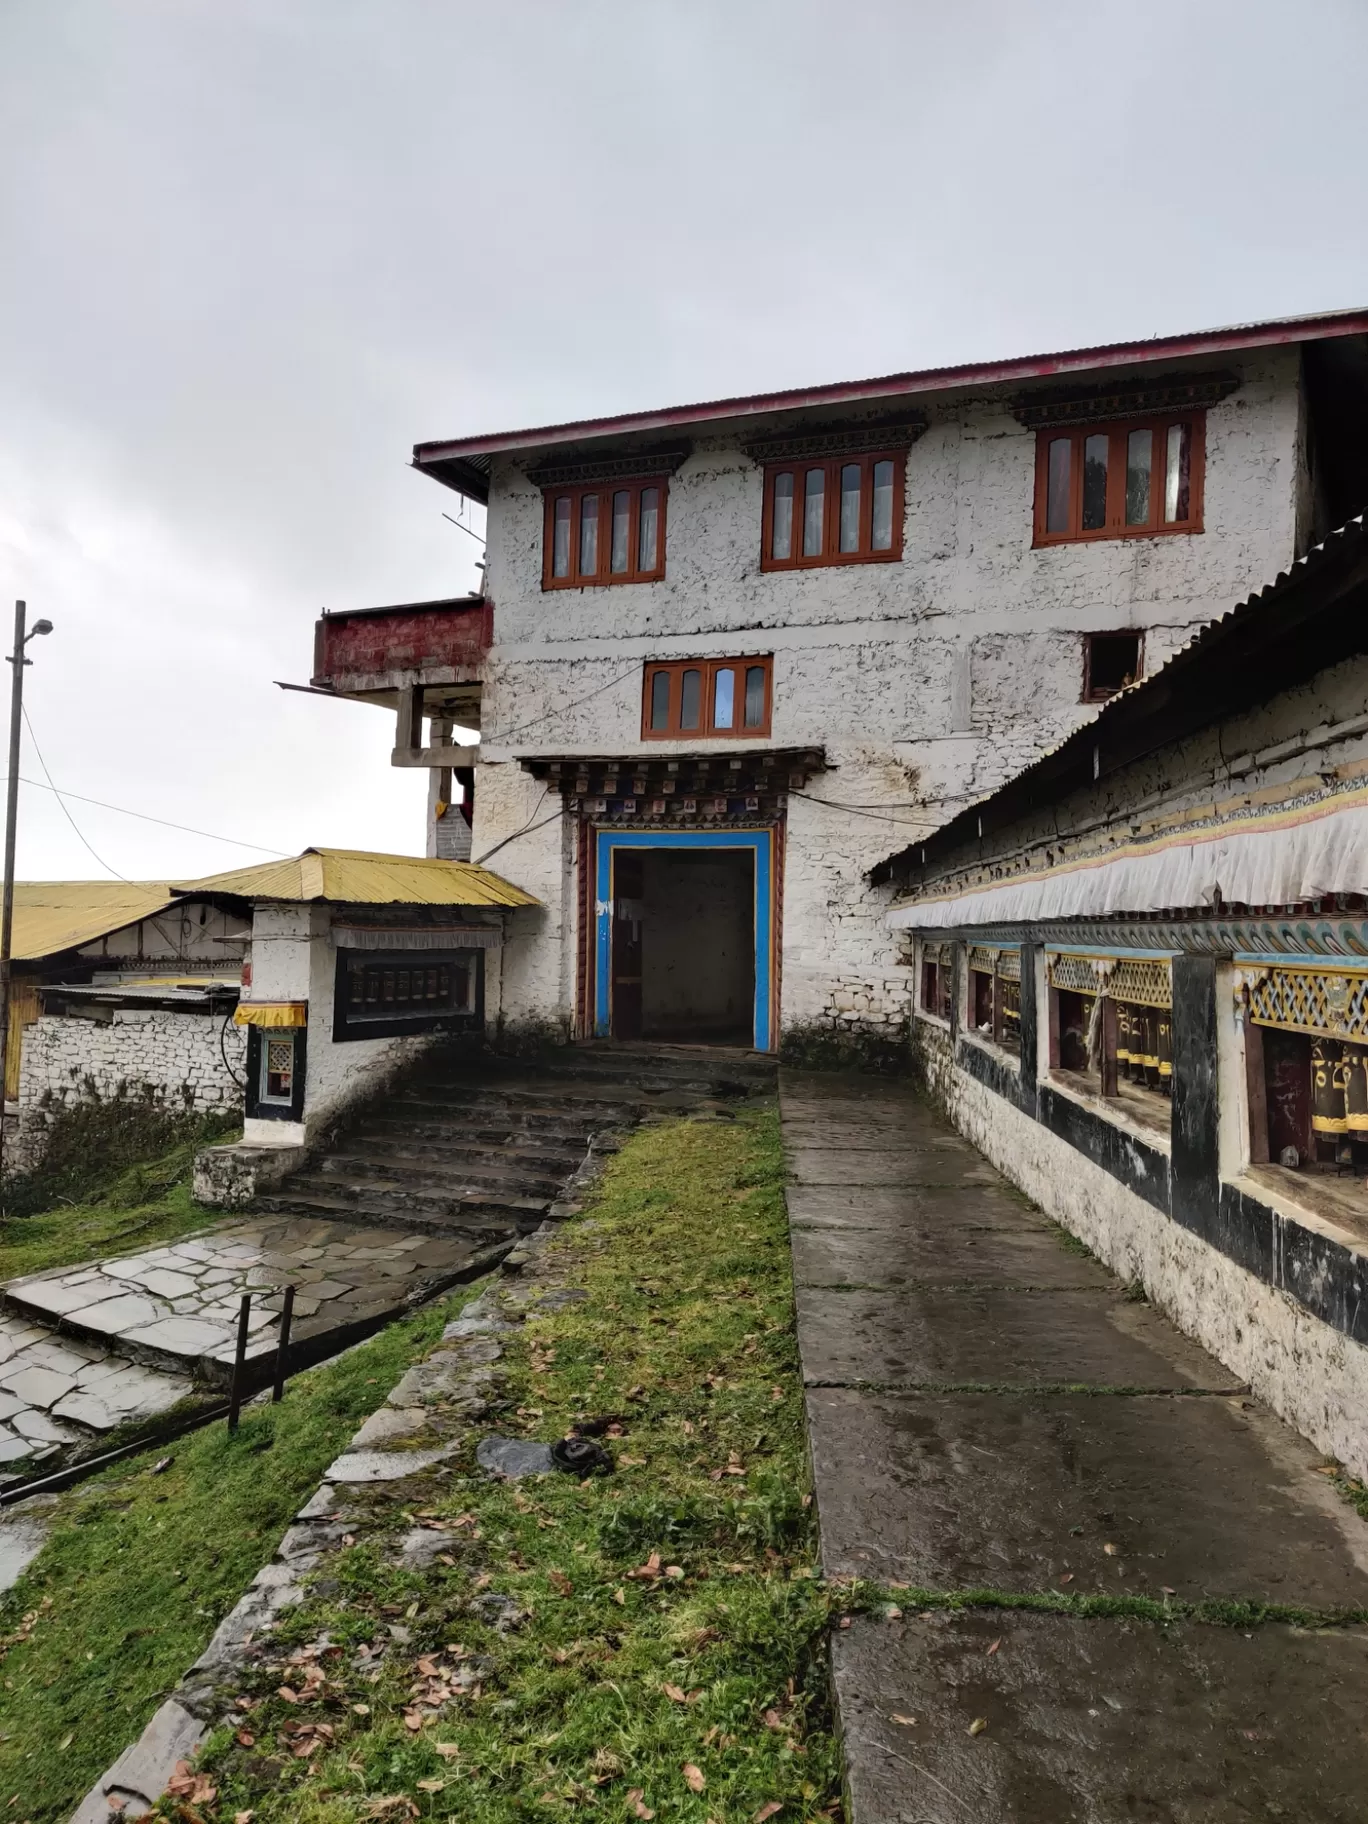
(622, 519)
(881, 532)
(814, 490)
(560, 538)
(588, 551)
(1139, 457)
(850, 507)
(1095, 481)
(724, 697)
(755, 696)
(690, 698)
(781, 532)
(1178, 475)
(649, 534)
(1057, 492)
(660, 700)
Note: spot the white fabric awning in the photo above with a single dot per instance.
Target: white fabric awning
(1277, 859)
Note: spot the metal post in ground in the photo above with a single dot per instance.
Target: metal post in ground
(283, 1346)
(17, 659)
(239, 1360)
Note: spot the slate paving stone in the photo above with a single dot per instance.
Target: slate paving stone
(926, 1336)
(37, 1386)
(1101, 1721)
(939, 1252)
(894, 1207)
(846, 1166)
(1209, 1497)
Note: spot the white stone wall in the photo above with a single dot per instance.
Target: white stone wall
(1312, 1376)
(66, 1060)
(927, 682)
(294, 958)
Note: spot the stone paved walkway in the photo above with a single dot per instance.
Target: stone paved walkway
(84, 1349)
(990, 1410)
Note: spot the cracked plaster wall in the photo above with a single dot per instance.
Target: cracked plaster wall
(870, 661)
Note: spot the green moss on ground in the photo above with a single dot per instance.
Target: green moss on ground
(670, 1657)
(141, 1567)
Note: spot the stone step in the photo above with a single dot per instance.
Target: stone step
(484, 1219)
(402, 1205)
(561, 1100)
(420, 1172)
(475, 1136)
(553, 1155)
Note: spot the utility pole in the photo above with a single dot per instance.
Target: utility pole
(17, 659)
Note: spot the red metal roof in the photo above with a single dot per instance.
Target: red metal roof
(928, 380)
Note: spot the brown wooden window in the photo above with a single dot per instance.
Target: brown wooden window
(1135, 479)
(707, 697)
(837, 510)
(937, 987)
(610, 533)
(1110, 662)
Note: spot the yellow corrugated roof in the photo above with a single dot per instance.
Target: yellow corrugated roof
(55, 915)
(355, 877)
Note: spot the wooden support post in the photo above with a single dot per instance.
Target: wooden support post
(408, 733)
(1256, 1088)
(283, 1346)
(1109, 1073)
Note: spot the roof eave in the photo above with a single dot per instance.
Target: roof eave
(447, 460)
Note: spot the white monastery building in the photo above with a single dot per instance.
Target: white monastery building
(729, 656)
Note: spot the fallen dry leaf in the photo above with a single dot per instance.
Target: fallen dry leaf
(361, 1709)
(413, 1720)
(675, 1694)
(243, 1817)
(767, 1811)
(693, 1777)
(636, 1805)
(290, 1697)
(908, 1722)
(674, 1570)
(773, 1720)
(448, 1750)
(114, 1802)
(993, 1649)
(431, 1785)
(620, 1596)
(66, 1742)
(1067, 1577)
(245, 1739)
(560, 1583)
(1111, 1550)
(979, 1724)
(1168, 1589)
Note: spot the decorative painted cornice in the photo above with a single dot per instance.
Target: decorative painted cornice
(582, 471)
(839, 440)
(1316, 936)
(1134, 399)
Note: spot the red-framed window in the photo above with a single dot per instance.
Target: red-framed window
(714, 698)
(613, 532)
(835, 510)
(1137, 478)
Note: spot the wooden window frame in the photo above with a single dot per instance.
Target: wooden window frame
(1090, 693)
(709, 668)
(831, 526)
(603, 577)
(1118, 430)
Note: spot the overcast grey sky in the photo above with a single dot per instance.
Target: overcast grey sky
(253, 250)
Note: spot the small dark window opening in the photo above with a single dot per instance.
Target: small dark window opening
(1110, 662)
(981, 1001)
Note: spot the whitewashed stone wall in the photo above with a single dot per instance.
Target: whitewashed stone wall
(928, 682)
(68, 1060)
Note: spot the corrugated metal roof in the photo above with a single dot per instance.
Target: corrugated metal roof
(1224, 648)
(468, 457)
(55, 915)
(177, 993)
(356, 877)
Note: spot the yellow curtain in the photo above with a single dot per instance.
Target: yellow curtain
(272, 1013)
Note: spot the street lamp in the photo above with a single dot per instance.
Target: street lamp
(17, 659)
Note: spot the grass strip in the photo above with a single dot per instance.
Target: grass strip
(865, 1598)
(142, 1565)
(136, 1207)
(645, 1643)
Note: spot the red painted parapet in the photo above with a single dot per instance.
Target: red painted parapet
(415, 643)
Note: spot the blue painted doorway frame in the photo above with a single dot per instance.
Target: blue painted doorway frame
(760, 843)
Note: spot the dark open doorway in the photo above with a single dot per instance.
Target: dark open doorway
(684, 945)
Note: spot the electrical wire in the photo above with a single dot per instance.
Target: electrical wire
(526, 830)
(565, 708)
(62, 801)
(123, 810)
(858, 810)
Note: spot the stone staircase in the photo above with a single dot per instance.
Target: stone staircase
(486, 1147)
